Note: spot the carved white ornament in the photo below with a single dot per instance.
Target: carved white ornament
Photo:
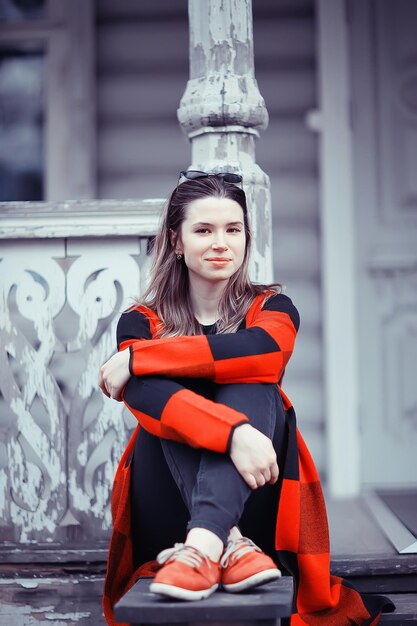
(62, 446)
(36, 459)
(397, 295)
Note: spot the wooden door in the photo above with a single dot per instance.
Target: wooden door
(384, 123)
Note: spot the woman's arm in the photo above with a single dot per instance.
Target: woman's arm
(169, 410)
(164, 407)
(257, 354)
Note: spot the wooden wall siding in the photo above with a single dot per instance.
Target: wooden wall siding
(142, 71)
(285, 68)
(62, 289)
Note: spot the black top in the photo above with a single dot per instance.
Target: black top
(209, 329)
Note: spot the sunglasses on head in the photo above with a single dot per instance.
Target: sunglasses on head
(228, 177)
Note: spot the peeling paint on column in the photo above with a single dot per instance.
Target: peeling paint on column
(200, 60)
(3, 493)
(67, 616)
(243, 55)
(262, 234)
(243, 87)
(222, 56)
(222, 110)
(220, 150)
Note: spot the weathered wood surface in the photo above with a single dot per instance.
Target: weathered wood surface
(359, 544)
(67, 270)
(385, 584)
(44, 566)
(374, 565)
(79, 218)
(256, 607)
(55, 600)
(269, 602)
(40, 553)
(353, 530)
(70, 583)
(405, 613)
(362, 553)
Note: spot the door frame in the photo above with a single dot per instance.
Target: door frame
(338, 251)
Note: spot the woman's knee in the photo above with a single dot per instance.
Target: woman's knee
(260, 402)
(247, 395)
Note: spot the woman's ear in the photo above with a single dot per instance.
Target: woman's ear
(174, 240)
(173, 237)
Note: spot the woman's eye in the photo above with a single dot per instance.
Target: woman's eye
(233, 229)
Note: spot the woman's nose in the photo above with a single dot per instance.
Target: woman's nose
(219, 242)
(221, 245)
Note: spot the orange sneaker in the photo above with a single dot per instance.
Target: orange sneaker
(246, 566)
(188, 574)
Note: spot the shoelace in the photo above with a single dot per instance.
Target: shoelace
(186, 554)
(236, 551)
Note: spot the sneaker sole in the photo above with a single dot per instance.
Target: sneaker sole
(181, 594)
(253, 581)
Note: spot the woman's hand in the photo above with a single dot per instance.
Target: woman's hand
(254, 456)
(114, 375)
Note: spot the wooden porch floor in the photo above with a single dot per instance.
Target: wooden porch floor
(359, 546)
(361, 553)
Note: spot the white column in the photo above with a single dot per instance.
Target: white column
(338, 247)
(222, 110)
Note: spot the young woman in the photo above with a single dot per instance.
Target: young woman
(216, 483)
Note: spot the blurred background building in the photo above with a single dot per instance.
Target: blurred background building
(89, 92)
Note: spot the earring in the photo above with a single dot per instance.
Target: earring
(179, 256)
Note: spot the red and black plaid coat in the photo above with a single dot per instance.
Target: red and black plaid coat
(257, 353)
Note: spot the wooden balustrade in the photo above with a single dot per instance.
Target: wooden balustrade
(67, 270)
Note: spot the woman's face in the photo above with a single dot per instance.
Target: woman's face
(213, 229)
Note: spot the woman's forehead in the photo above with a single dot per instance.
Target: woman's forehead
(214, 210)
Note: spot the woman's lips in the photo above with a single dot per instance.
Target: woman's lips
(219, 261)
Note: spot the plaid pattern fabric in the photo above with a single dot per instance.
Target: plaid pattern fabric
(257, 353)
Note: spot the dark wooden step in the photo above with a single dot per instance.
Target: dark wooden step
(265, 605)
(384, 573)
(363, 554)
(405, 613)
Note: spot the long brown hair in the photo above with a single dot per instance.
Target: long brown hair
(168, 291)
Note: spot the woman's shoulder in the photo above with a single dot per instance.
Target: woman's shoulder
(136, 312)
(273, 299)
(137, 321)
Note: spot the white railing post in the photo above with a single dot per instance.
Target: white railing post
(222, 110)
